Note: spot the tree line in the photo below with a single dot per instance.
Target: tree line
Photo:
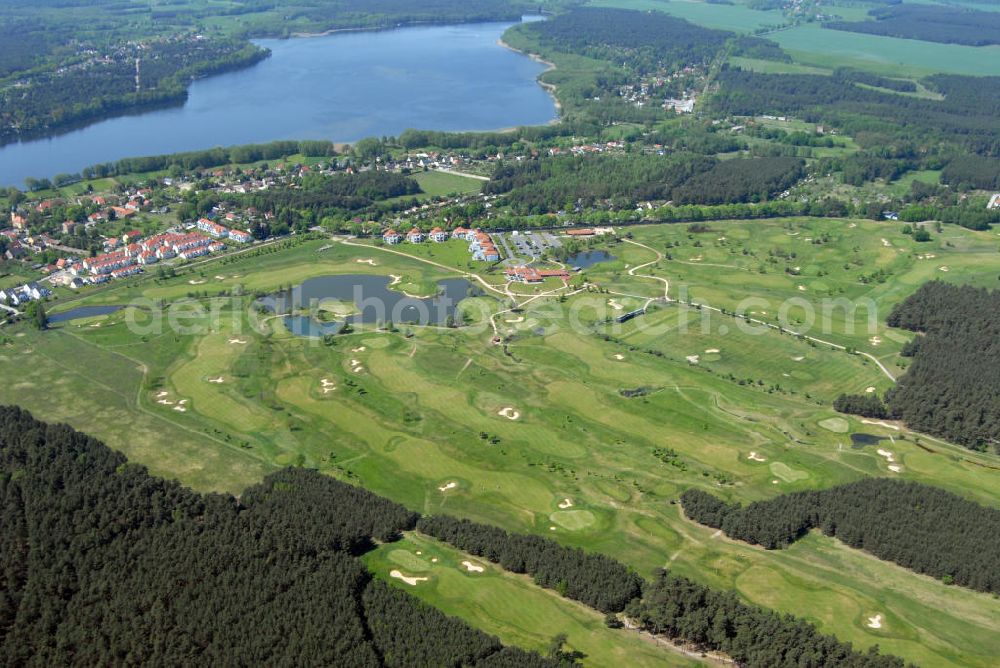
(101, 563)
(931, 23)
(923, 528)
(669, 605)
(567, 182)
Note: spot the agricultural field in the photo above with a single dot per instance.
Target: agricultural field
(578, 427)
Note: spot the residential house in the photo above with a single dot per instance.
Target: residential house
(240, 236)
(438, 235)
(392, 237)
(415, 236)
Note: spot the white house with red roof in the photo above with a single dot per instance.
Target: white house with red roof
(438, 235)
(392, 237)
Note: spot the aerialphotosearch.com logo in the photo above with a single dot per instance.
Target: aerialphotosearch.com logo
(585, 312)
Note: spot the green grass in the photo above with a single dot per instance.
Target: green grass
(775, 67)
(437, 184)
(820, 47)
(424, 411)
(510, 606)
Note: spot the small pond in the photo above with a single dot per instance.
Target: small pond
(82, 312)
(374, 301)
(586, 259)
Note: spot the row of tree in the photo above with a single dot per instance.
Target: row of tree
(923, 528)
(932, 23)
(103, 564)
(669, 605)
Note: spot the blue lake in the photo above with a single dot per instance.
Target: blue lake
(82, 312)
(585, 259)
(342, 87)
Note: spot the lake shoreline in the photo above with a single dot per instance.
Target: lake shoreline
(550, 66)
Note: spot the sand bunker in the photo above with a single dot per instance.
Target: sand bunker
(218, 380)
(408, 580)
(880, 424)
(180, 409)
(434, 560)
(712, 351)
(192, 282)
(619, 356)
(875, 340)
(471, 567)
(162, 394)
(885, 453)
(359, 349)
(613, 303)
(775, 482)
(327, 386)
(356, 366)
(802, 288)
(395, 279)
(697, 258)
(692, 359)
(566, 503)
(519, 318)
(853, 225)
(885, 242)
(895, 468)
(799, 358)
(552, 528)
(942, 268)
(869, 390)
(450, 485)
(755, 457)
(509, 413)
(220, 278)
(874, 622)
(165, 402)
(366, 260)
(237, 342)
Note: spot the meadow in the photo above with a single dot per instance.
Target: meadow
(578, 428)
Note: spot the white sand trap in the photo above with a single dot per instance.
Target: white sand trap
(869, 390)
(509, 413)
(395, 279)
(434, 560)
(519, 318)
(471, 567)
(408, 580)
(419, 553)
(930, 256)
(326, 382)
(220, 278)
(895, 468)
(619, 356)
(165, 402)
(755, 457)
(552, 528)
(692, 359)
(696, 258)
(366, 260)
(355, 363)
(799, 358)
(875, 340)
(792, 234)
(885, 242)
(327, 390)
(885, 453)
(853, 225)
(358, 369)
(237, 342)
(360, 349)
(874, 622)
(162, 394)
(218, 380)
(802, 288)
(721, 239)
(942, 268)
(712, 351)
(182, 402)
(787, 375)
(774, 482)
(193, 282)
(613, 303)
(880, 424)
(450, 485)
(180, 409)
(96, 324)
(566, 503)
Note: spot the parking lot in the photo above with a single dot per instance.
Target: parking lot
(526, 245)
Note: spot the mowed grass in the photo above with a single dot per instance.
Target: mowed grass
(510, 606)
(435, 184)
(422, 419)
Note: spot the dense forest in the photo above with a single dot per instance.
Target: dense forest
(923, 528)
(972, 171)
(966, 116)
(101, 563)
(676, 607)
(932, 23)
(644, 41)
(566, 182)
(755, 638)
(952, 387)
